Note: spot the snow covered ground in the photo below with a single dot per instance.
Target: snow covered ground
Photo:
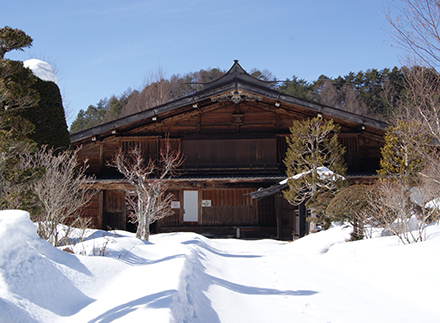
(184, 277)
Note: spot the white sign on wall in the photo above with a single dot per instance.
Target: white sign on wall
(175, 204)
(206, 203)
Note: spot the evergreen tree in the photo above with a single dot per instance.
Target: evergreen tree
(47, 116)
(15, 176)
(403, 154)
(16, 94)
(352, 205)
(313, 144)
(23, 94)
(299, 88)
(114, 109)
(93, 116)
(319, 203)
(13, 39)
(15, 80)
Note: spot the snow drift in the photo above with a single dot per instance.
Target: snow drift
(185, 277)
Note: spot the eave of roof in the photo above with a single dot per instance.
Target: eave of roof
(235, 79)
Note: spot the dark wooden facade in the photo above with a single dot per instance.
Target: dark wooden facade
(233, 136)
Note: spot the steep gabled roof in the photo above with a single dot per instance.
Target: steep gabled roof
(236, 82)
(237, 74)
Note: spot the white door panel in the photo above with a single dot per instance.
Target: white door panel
(190, 206)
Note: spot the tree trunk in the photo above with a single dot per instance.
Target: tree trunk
(312, 223)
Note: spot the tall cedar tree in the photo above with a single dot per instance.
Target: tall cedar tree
(313, 143)
(23, 94)
(48, 117)
(15, 94)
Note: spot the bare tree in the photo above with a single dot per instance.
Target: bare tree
(351, 101)
(421, 99)
(150, 180)
(347, 98)
(63, 191)
(416, 28)
(155, 91)
(402, 194)
(396, 211)
(420, 104)
(326, 93)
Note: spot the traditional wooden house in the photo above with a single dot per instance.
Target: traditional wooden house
(232, 135)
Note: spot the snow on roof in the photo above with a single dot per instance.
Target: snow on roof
(323, 172)
(41, 69)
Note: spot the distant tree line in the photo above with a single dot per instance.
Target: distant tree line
(372, 93)
(157, 91)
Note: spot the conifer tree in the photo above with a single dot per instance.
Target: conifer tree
(15, 94)
(47, 116)
(13, 39)
(23, 94)
(15, 176)
(404, 150)
(313, 144)
(15, 80)
(352, 205)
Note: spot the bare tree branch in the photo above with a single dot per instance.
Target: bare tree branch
(63, 191)
(150, 180)
(416, 28)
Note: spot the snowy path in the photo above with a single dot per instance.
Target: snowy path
(246, 281)
(185, 277)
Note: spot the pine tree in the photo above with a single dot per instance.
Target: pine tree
(297, 87)
(15, 80)
(313, 144)
(93, 116)
(404, 150)
(352, 205)
(13, 39)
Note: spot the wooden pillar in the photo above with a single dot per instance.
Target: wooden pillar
(278, 208)
(101, 156)
(100, 208)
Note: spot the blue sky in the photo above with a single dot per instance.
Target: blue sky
(103, 47)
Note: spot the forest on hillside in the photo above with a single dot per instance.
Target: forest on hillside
(371, 93)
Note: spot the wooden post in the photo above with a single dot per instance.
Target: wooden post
(278, 208)
(100, 209)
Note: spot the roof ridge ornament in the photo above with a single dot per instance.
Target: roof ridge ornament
(236, 74)
(236, 96)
